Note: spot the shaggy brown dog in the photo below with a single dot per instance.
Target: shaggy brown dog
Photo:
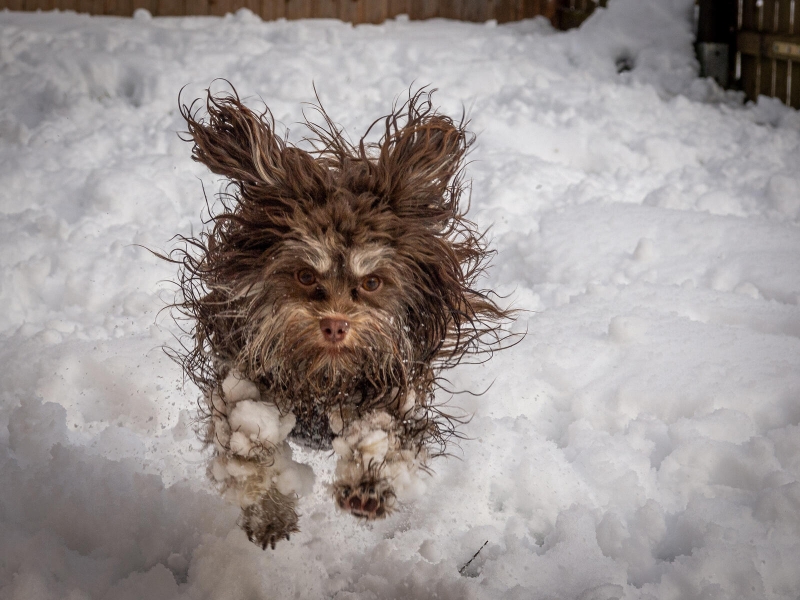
(327, 293)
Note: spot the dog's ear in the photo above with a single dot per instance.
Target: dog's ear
(421, 160)
(235, 142)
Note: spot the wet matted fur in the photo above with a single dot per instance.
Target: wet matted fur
(327, 293)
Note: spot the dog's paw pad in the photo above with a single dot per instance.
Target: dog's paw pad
(369, 500)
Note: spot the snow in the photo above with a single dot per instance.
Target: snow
(642, 441)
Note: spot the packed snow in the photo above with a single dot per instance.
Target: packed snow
(641, 441)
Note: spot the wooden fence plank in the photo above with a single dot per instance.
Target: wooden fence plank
(220, 8)
(749, 79)
(196, 7)
(375, 11)
(478, 10)
(252, 5)
(273, 9)
(749, 20)
(507, 10)
(298, 9)
(348, 11)
(67, 5)
(769, 15)
(794, 71)
(784, 11)
(171, 8)
(344, 10)
(530, 8)
(765, 77)
(535, 8)
(423, 9)
(146, 4)
(324, 9)
(451, 9)
(38, 5)
(14, 4)
(398, 7)
(123, 8)
(781, 76)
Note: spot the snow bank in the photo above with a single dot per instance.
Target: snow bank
(642, 441)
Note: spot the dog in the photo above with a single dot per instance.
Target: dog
(328, 291)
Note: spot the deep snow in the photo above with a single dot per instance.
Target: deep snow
(642, 441)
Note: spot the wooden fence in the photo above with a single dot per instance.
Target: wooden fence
(752, 45)
(768, 43)
(562, 13)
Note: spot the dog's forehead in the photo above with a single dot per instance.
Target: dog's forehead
(330, 251)
(362, 260)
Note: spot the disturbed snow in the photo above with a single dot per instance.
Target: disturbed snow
(642, 441)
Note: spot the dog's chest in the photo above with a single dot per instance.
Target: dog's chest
(312, 428)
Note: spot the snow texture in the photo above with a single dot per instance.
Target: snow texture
(642, 441)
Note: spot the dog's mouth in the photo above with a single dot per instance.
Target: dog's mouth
(336, 350)
(335, 357)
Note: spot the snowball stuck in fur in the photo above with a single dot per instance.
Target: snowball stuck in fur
(373, 446)
(291, 477)
(236, 388)
(259, 422)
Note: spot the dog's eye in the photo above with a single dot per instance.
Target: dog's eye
(371, 283)
(306, 277)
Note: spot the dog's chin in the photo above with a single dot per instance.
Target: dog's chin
(335, 351)
(335, 356)
(334, 362)
(304, 367)
(342, 370)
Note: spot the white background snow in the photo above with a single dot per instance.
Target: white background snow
(642, 441)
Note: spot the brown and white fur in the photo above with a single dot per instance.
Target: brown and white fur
(327, 293)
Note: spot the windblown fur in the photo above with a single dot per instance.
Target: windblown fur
(326, 295)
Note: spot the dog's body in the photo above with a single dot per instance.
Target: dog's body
(326, 296)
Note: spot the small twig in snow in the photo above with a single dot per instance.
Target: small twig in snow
(474, 556)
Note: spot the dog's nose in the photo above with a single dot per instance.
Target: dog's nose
(334, 330)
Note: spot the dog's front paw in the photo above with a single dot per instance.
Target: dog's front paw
(369, 499)
(270, 519)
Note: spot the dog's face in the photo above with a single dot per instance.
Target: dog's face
(335, 306)
(343, 275)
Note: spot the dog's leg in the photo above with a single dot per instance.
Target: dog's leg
(253, 463)
(380, 461)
